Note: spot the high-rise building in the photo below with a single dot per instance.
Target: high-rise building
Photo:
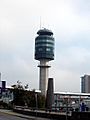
(85, 84)
(44, 52)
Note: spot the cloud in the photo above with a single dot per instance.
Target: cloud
(80, 7)
(69, 66)
(74, 57)
(70, 22)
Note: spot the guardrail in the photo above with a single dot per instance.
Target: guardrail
(41, 113)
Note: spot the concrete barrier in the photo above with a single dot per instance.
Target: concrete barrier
(54, 115)
(50, 115)
(80, 116)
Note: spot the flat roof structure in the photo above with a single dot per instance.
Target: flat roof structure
(72, 94)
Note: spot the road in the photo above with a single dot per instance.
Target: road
(10, 115)
(4, 116)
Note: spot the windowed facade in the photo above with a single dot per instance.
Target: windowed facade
(85, 84)
(44, 46)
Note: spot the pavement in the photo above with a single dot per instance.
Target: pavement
(10, 112)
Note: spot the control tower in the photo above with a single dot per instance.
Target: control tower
(44, 52)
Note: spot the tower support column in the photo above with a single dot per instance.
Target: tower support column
(43, 76)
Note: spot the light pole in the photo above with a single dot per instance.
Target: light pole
(67, 107)
(36, 103)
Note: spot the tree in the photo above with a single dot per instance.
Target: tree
(19, 93)
(22, 96)
(18, 85)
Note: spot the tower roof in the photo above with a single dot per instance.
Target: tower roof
(44, 32)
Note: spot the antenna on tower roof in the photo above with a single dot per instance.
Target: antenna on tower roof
(40, 22)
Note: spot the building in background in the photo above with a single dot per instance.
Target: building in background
(68, 101)
(2, 85)
(44, 52)
(85, 84)
(6, 95)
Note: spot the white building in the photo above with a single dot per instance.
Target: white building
(7, 96)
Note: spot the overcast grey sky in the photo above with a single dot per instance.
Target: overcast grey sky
(70, 22)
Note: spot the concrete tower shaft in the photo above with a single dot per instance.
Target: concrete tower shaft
(43, 76)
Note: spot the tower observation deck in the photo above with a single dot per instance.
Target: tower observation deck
(44, 52)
